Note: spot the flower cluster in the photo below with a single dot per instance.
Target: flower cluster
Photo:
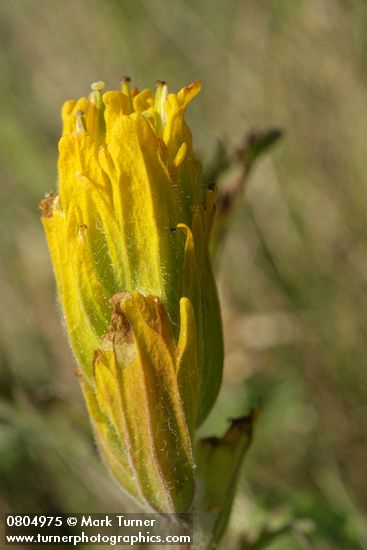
(128, 236)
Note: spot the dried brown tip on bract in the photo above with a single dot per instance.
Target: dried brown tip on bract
(120, 327)
(82, 231)
(125, 79)
(97, 356)
(46, 205)
(160, 83)
(117, 298)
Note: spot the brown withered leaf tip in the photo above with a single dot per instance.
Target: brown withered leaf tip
(238, 426)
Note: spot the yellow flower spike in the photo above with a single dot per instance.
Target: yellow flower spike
(159, 111)
(126, 90)
(128, 236)
(160, 99)
(97, 124)
(95, 96)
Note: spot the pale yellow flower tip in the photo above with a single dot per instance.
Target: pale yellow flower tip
(97, 86)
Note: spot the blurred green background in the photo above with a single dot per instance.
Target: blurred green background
(293, 273)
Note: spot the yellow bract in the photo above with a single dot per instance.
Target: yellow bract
(137, 385)
(128, 236)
